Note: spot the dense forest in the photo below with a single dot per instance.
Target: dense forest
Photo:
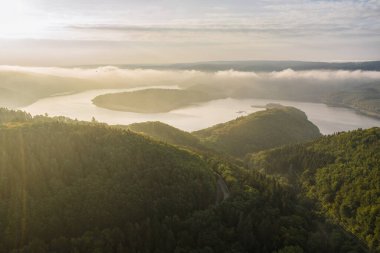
(7, 116)
(166, 133)
(258, 131)
(71, 186)
(341, 172)
(64, 179)
(276, 126)
(296, 162)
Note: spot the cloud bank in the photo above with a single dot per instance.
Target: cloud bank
(20, 86)
(133, 77)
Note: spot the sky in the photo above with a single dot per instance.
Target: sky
(81, 32)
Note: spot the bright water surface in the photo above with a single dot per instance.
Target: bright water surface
(79, 106)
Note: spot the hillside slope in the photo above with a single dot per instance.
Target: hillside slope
(70, 186)
(258, 131)
(166, 133)
(342, 172)
(364, 99)
(20, 89)
(62, 179)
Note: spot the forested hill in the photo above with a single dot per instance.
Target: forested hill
(8, 116)
(60, 179)
(251, 133)
(258, 131)
(166, 133)
(342, 172)
(69, 186)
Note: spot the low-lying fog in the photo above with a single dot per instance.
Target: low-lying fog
(110, 76)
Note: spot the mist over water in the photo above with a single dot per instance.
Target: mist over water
(35, 90)
(141, 76)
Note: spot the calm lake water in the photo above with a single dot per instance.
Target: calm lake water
(79, 106)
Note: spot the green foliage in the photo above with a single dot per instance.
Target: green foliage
(258, 131)
(9, 116)
(151, 100)
(342, 172)
(165, 133)
(63, 179)
(70, 186)
(260, 216)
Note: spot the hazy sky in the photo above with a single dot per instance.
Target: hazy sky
(73, 32)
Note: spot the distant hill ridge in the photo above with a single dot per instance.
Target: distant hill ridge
(273, 127)
(277, 126)
(264, 66)
(166, 133)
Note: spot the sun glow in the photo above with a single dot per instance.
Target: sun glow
(19, 20)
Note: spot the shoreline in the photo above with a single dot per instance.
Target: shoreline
(357, 110)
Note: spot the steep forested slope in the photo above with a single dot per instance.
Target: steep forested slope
(62, 179)
(258, 131)
(342, 172)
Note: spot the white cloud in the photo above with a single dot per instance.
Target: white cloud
(189, 30)
(111, 76)
(339, 75)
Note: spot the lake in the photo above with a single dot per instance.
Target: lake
(79, 106)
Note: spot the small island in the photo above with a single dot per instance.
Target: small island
(151, 100)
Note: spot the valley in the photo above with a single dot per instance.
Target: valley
(144, 181)
(189, 126)
(230, 165)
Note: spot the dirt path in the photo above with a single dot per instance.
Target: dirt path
(222, 191)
